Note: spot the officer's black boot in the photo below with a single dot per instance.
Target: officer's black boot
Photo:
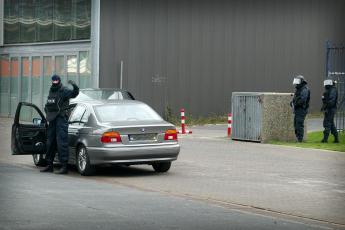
(325, 137)
(48, 168)
(324, 140)
(336, 138)
(63, 170)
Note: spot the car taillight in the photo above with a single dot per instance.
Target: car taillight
(170, 135)
(111, 137)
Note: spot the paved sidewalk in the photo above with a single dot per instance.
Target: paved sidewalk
(220, 130)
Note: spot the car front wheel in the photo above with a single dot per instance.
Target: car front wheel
(39, 159)
(83, 162)
(161, 166)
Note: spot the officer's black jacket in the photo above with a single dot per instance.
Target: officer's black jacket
(330, 97)
(62, 96)
(301, 97)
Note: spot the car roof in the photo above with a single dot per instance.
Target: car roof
(104, 89)
(108, 102)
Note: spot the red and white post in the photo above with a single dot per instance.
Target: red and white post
(229, 124)
(183, 124)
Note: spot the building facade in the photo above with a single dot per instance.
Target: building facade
(175, 53)
(41, 38)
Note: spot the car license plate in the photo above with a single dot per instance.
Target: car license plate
(143, 137)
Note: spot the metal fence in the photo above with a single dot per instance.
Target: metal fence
(335, 70)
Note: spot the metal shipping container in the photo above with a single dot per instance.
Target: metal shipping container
(260, 117)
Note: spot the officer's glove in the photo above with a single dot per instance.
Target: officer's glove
(323, 108)
(71, 82)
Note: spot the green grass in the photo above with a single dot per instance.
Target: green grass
(314, 141)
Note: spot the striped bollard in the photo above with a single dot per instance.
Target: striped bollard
(229, 124)
(183, 125)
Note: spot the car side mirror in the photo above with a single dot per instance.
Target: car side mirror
(37, 121)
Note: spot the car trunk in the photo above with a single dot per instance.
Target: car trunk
(134, 133)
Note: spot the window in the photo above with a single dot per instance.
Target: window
(72, 68)
(36, 81)
(44, 20)
(25, 79)
(28, 21)
(11, 21)
(62, 20)
(77, 114)
(82, 19)
(14, 84)
(126, 112)
(27, 114)
(4, 84)
(84, 69)
(47, 73)
(85, 117)
(60, 68)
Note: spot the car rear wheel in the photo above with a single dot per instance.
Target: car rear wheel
(161, 166)
(83, 162)
(39, 159)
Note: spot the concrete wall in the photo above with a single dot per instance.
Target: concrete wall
(195, 53)
(277, 118)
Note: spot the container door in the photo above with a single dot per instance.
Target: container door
(253, 118)
(239, 120)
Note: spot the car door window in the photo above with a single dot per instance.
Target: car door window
(115, 96)
(28, 130)
(77, 114)
(85, 117)
(29, 116)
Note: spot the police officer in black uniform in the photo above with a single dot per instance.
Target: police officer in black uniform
(57, 134)
(329, 107)
(300, 105)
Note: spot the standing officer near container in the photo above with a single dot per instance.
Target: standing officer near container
(300, 105)
(329, 107)
(57, 134)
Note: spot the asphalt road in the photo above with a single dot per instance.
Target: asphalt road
(215, 184)
(30, 200)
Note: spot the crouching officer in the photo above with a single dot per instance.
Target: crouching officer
(57, 134)
(300, 105)
(329, 107)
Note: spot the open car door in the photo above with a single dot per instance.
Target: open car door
(29, 130)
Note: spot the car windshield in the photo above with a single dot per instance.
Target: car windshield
(126, 112)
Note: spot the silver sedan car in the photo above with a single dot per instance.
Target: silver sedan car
(101, 132)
